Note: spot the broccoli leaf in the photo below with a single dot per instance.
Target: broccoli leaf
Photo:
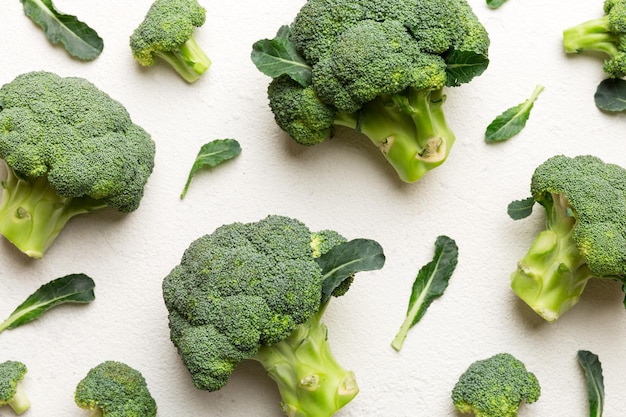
(595, 381)
(278, 56)
(611, 95)
(345, 260)
(74, 288)
(430, 284)
(462, 66)
(212, 154)
(494, 4)
(512, 121)
(520, 209)
(80, 40)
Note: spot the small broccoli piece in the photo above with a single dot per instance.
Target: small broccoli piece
(114, 389)
(69, 149)
(585, 235)
(167, 33)
(604, 34)
(495, 387)
(380, 68)
(255, 291)
(11, 392)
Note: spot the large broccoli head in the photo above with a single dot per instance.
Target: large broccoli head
(585, 236)
(379, 67)
(69, 148)
(11, 393)
(167, 32)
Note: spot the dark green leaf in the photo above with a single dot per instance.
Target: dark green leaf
(278, 56)
(79, 40)
(74, 288)
(611, 95)
(595, 381)
(212, 154)
(494, 4)
(462, 66)
(430, 284)
(520, 209)
(345, 260)
(512, 121)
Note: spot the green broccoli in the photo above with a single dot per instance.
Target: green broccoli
(258, 291)
(585, 235)
(69, 149)
(380, 68)
(604, 34)
(495, 387)
(11, 392)
(167, 33)
(114, 389)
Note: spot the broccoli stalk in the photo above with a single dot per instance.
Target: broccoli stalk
(188, 60)
(409, 128)
(310, 380)
(11, 392)
(32, 214)
(593, 35)
(20, 401)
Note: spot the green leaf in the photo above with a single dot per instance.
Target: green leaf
(494, 4)
(278, 56)
(462, 66)
(212, 154)
(79, 40)
(345, 260)
(430, 284)
(611, 95)
(520, 209)
(595, 381)
(512, 121)
(74, 288)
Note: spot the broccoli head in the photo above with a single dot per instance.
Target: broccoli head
(167, 33)
(585, 235)
(380, 68)
(114, 389)
(258, 291)
(604, 34)
(495, 387)
(11, 392)
(69, 149)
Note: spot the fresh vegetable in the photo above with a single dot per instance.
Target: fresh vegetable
(74, 288)
(258, 291)
(604, 35)
(430, 284)
(594, 380)
(69, 149)
(494, 4)
(78, 38)
(167, 32)
(495, 387)
(212, 154)
(611, 95)
(114, 389)
(520, 209)
(11, 391)
(512, 120)
(379, 68)
(585, 234)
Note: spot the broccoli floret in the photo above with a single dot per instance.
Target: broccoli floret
(495, 387)
(167, 33)
(604, 34)
(69, 149)
(585, 235)
(114, 389)
(380, 68)
(255, 291)
(11, 393)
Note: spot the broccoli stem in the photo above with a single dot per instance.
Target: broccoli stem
(552, 275)
(593, 35)
(189, 60)
(20, 402)
(310, 380)
(409, 128)
(32, 214)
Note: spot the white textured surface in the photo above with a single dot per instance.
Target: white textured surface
(343, 184)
